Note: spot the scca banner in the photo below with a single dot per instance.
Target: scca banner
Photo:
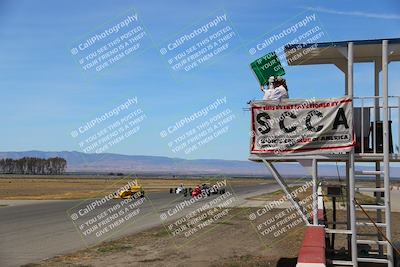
(302, 126)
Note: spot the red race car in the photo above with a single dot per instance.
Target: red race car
(207, 190)
(196, 191)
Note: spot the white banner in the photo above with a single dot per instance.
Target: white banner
(302, 125)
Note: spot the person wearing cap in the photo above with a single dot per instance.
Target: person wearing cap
(270, 86)
(277, 89)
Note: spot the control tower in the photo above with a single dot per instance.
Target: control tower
(372, 137)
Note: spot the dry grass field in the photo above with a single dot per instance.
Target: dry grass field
(56, 188)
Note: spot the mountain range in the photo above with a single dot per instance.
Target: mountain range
(158, 165)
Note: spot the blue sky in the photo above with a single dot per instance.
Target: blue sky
(45, 94)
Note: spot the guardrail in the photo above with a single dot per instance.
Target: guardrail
(368, 124)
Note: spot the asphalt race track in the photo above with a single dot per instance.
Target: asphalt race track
(32, 232)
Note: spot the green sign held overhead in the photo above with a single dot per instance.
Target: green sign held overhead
(267, 66)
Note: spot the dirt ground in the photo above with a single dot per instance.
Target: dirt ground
(229, 243)
(77, 188)
(232, 243)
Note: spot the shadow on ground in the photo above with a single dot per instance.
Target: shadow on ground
(287, 262)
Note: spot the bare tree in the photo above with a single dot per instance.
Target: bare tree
(30, 165)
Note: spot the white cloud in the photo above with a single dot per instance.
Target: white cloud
(355, 13)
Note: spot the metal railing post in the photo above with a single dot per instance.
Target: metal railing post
(362, 125)
(315, 189)
(351, 188)
(386, 166)
(398, 124)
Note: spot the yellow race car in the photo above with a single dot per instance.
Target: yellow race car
(134, 191)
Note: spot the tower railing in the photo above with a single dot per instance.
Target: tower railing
(368, 124)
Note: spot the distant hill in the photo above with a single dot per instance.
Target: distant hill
(108, 162)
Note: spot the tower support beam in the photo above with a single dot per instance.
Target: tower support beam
(350, 57)
(386, 167)
(287, 191)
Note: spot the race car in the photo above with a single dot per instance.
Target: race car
(207, 189)
(181, 190)
(134, 191)
(196, 191)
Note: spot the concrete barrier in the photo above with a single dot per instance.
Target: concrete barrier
(312, 252)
